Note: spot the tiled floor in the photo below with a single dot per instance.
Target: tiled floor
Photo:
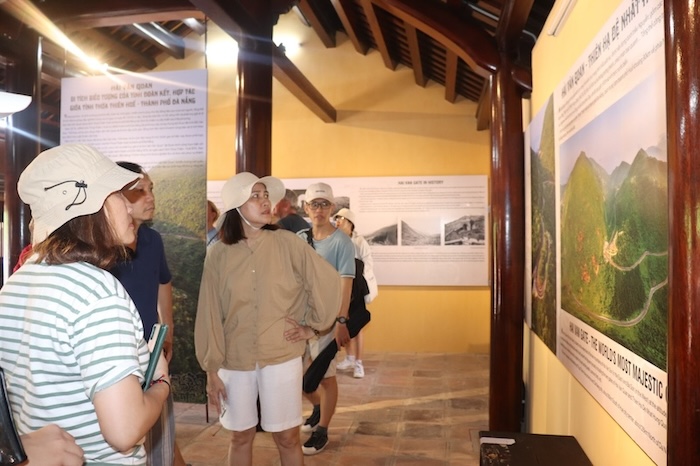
(410, 409)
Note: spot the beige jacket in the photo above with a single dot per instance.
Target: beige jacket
(246, 294)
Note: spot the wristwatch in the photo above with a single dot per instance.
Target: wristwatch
(342, 320)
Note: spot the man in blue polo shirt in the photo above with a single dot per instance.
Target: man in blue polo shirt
(147, 279)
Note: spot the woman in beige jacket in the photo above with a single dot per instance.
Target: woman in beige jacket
(264, 292)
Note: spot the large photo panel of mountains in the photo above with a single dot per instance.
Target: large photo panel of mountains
(614, 227)
(543, 187)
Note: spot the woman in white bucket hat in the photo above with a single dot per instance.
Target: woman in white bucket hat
(72, 340)
(264, 292)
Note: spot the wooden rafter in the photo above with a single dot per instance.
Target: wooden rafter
(82, 14)
(378, 33)
(416, 58)
(466, 40)
(348, 18)
(327, 37)
(119, 47)
(170, 43)
(235, 21)
(295, 82)
(451, 63)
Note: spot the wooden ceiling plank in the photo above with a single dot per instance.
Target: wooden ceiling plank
(451, 77)
(170, 43)
(378, 34)
(295, 82)
(350, 22)
(327, 37)
(110, 43)
(473, 45)
(416, 58)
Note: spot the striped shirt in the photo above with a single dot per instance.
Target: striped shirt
(67, 332)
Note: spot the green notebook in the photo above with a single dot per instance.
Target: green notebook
(158, 334)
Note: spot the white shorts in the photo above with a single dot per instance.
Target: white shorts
(279, 388)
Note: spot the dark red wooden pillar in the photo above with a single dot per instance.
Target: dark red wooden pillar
(508, 252)
(23, 136)
(254, 110)
(682, 32)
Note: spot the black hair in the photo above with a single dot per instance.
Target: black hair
(231, 231)
(131, 166)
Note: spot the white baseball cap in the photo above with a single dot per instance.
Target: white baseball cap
(66, 182)
(319, 191)
(347, 214)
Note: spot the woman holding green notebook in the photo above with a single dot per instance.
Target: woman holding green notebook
(72, 341)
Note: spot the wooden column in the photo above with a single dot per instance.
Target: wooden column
(508, 252)
(254, 110)
(683, 130)
(23, 76)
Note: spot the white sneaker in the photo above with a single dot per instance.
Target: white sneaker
(359, 370)
(345, 365)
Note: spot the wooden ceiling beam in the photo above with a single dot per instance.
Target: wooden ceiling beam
(327, 37)
(240, 17)
(416, 58)
(511, 24)
(451, 63)
(483, 108)
(283, 69)
(522, 77)
(170, 43)
(510, 27)
(82, 14)
(470, 43)
(349, 20)
(295, 82)
(196, 25)
(124, 19)
(57, 62)
(109, 43)
(224, 16)
(378, 34)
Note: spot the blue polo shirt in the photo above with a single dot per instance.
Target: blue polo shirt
(143, 274)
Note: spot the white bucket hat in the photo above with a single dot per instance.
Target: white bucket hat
(347, 214)
(237, 189)
(66, 182)
(319, 191)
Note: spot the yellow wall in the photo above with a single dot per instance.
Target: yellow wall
(387, 126)
(556, 402)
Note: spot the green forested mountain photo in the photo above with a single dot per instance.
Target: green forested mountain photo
(544, 246)
(614, 252)
(180, 219)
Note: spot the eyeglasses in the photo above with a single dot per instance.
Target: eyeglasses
(339, 217)
(320, 205)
